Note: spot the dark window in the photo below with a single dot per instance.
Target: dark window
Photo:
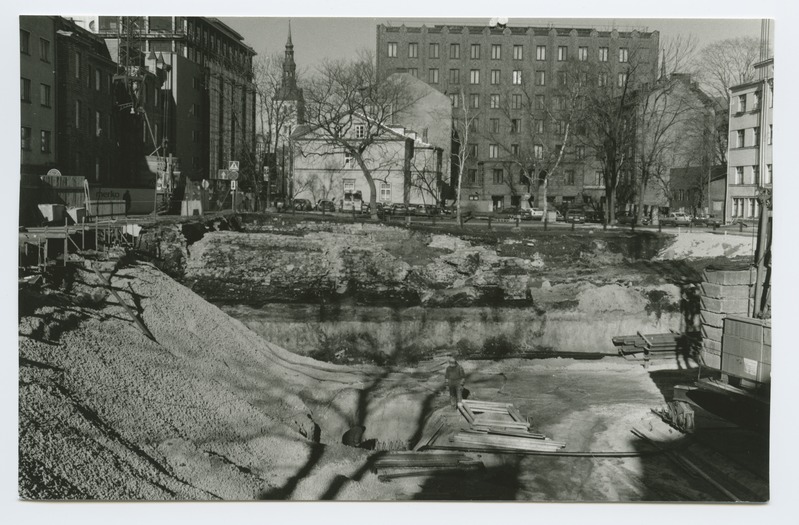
(26, 138)
(24, 42)
(108, 23)
(25, 89)
(44, 50)
(160, 24)
(499, 176)
(44, 95)
(45, 141)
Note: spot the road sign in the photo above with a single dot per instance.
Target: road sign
(233, 185)
(234, 165)
(226, 175)
(206, 184)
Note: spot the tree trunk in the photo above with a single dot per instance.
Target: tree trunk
(610, 201)
(544, 186)
(372, 187)
(641, 192)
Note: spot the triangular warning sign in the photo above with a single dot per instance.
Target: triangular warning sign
(234, 165)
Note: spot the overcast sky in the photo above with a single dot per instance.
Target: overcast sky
(316, 39)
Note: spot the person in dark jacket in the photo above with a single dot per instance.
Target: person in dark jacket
(455, 377)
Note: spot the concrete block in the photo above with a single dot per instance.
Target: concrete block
(729, 277)
(708, 332)
(711, 319)
(711, 360)
(709, 345)
(724, 306)
(730, 291)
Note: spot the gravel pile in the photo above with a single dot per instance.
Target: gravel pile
(208, 410)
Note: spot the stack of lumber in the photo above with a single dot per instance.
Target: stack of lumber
(670, 343)
(723, 292)
(500, 427)
(414, 464)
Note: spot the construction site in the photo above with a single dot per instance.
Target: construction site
(294, 358)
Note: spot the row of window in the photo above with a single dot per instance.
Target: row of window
(516, 101)
(45, 140)
(538, 151)
(498, 176)
(25, 45)
(742, 100)
(385, 189)
(434, 51)
(45, 92)
(540, 77)
(751, 175)
(754, 141)
(745, 208)
(556, 126)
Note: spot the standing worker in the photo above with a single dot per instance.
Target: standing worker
(455, 377)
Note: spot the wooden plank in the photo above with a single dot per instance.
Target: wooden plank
(500, 423)
(509, 442)
(428, 472)
(464, 410)
(476, 403)
(515, 414)
(538, 447)
(507, 432)
(432, 430)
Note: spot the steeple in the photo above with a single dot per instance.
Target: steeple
(289, 92)
(289, 81)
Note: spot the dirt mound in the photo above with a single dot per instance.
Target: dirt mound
(208, 410)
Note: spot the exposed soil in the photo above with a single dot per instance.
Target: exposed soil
(209, 410)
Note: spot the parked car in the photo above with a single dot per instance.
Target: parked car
(367, 208)
(676, 218)
(509, 213)
(398, 208)
(706, 220)
(536, 214)
(325, 205)
(302, 204)
(594, 216)
(577, 216)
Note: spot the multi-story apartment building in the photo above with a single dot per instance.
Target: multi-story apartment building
(496, 72)
(749, 155)
(209, 117)
(37, 41)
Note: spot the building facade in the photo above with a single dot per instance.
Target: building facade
(403, 166)
(37, 44)
(494, 71)
(209, 96)
(749, 155)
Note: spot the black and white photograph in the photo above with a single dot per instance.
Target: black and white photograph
(397, 258)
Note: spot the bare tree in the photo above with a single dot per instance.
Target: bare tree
(462, 122)
(727, 62)
(664, 115)
(275, 117)
(610, 129)
(543, 122)
(350, 108)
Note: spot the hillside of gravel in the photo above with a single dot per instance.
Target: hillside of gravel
(206, 410)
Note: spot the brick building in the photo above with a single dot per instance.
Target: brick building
(494, 67)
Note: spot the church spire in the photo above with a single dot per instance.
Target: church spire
(289, 83)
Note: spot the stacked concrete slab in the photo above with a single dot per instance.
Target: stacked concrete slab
(723, 292)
